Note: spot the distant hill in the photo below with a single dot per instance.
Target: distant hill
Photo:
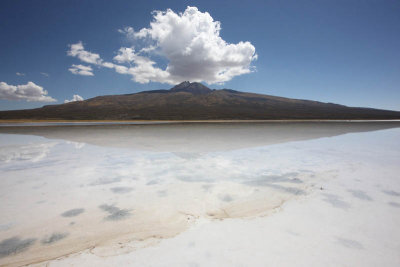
(194, 101)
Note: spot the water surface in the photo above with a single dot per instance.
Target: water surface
(66, 188)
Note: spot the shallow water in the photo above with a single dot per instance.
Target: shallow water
(67, 188)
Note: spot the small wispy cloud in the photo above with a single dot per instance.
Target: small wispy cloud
(45, 74)
(28, 92)
(20, 74)
(74, 98)
(81, 70)
(77, 50)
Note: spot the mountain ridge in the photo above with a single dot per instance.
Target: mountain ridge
(195, 101)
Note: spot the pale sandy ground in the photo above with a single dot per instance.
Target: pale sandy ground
(332, 201)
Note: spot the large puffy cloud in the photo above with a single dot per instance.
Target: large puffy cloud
(28, 92)
(189, 41)
(81, 70)
(74, 98)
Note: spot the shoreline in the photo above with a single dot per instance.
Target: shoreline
(23, 121)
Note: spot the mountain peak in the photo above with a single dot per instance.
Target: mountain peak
(194, 87)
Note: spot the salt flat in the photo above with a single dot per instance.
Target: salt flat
(275, 194)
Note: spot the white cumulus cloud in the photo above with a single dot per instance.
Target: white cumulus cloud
(77, 50)
(128, 31)
(29, 92)
(191, 44)
(74, 98)
(81, 70)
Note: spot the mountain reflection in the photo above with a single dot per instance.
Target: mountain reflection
(196, 137)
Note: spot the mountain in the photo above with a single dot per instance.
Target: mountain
(194, 101)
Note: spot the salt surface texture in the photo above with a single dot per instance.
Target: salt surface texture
(215, 194)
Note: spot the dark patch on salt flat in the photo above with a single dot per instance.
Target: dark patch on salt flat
(195, 178)
(72, 213)
(336, 201)
(391, 193)
(290, 190)
(53, 238)
(360, 194)
(15, 245)
(121, 189)
(306, 170)
(394, 204)
(39, 186)
(290, 174)
(348, 243)
(188, 155)
(207, 187)
(295, 181)
(273, 181)
(226, 198)
(6, 226)
(115, 213)
(267, 180)
(106, 180)
(152, 182)
(285, 189)
(292, 233)
(162, 193)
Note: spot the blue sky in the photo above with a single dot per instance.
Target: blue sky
(344, 52)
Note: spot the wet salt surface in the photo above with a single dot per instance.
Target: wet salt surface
(63, 190)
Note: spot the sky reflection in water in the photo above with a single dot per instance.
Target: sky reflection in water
(73, 188)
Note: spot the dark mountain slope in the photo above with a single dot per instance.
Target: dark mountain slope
(194, 101)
